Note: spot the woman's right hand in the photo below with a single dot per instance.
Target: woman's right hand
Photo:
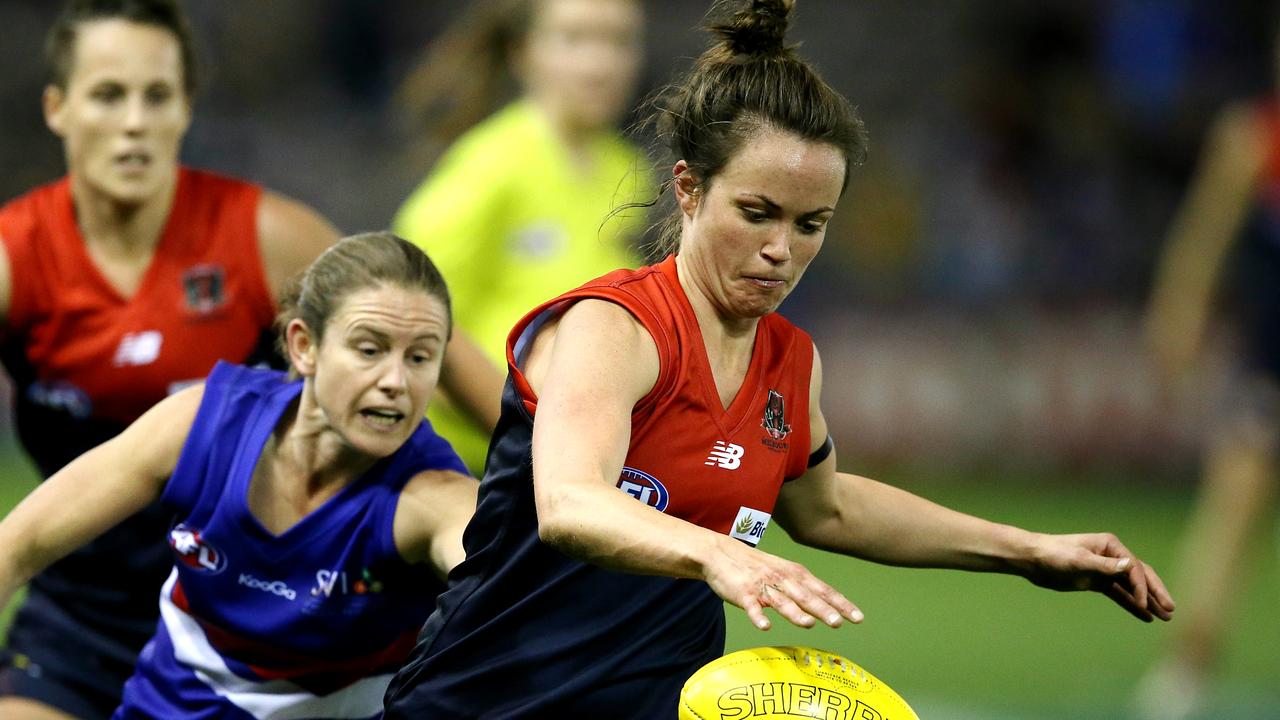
(754, 580)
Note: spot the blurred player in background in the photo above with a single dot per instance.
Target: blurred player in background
(120, 283)
(1234, 195)
(515, 210)
(679, 385)
(315, 517)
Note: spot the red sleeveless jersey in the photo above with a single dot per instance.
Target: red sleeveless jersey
(76, 346)
(690, 457)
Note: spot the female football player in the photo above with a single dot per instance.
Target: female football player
(314, 515)
(680, 386)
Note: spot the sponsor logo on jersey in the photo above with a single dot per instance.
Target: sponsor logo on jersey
(750, 525)
(204, 288)
(194, 551)
(331, 582)
(140, 348)
(61, 396)
(644, 487)
(275, 587)
(725, 455)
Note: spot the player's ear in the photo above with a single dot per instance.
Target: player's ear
(302, 345)
(53, 102)
(686, 188)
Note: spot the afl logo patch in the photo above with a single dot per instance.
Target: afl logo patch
(644, 487)
(194, 552)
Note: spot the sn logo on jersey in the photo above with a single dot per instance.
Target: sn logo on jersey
(644, 487)
(726, 455)
(750, 525)
(194, 551)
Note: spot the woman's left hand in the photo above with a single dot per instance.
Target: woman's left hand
(1100, 562)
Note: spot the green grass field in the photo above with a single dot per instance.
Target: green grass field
(964, 646)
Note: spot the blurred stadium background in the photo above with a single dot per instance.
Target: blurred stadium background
(977, 302)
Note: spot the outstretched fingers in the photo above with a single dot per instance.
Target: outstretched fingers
(1136, 587)
(804, 600)
(1125, 599)
(1163, 602)
(754, 606)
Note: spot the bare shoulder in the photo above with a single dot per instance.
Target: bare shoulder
(605, 324)
(154, 442)
(291, 235)
(6, 290)
(434, 508)
(176, 412)
(426, 486)
(594, 332)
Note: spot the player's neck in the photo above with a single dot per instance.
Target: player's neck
(311, 455)
(119, 228)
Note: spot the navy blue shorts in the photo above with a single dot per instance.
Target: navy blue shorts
(71, 668)
(636, 698)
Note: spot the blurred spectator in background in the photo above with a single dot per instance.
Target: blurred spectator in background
(1233, 198)
(519, 207)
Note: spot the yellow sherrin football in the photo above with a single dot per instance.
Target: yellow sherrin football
(788, 682)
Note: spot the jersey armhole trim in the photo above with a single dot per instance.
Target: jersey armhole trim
(519, 348)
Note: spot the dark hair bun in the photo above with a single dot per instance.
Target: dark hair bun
(756, 27)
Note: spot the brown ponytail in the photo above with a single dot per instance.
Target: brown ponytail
(748, 80)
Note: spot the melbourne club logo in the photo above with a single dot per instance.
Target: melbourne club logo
(775, 423)
(644, 487)
(725, 455)
(194, 551)
(204, 287)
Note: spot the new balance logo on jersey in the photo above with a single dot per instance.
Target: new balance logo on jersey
(138, 348)
(750, 525)
(725, 455)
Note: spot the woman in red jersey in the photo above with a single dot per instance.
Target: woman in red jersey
(119, 284)
(680, 385)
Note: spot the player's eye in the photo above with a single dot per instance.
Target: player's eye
(106, 93)
(158, 94)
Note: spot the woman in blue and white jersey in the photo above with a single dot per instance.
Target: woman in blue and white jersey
(315, 513)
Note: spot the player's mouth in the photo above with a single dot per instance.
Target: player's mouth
(768, 283)
(133, 161)
(382, 418)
